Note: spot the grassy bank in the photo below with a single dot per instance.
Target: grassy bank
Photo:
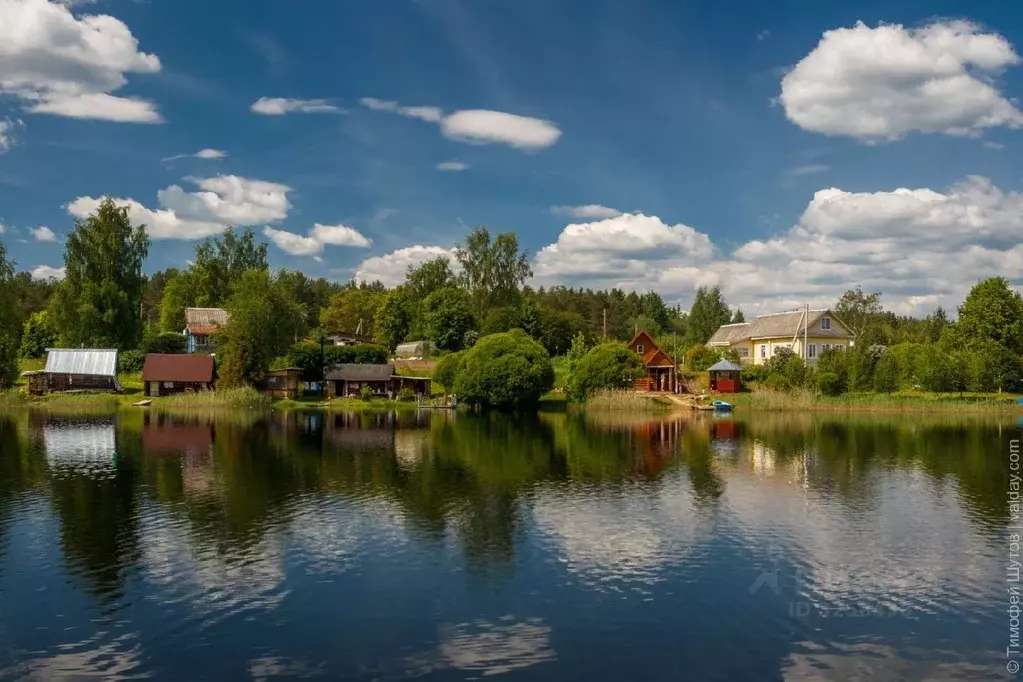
(626, 401)
(906, 401)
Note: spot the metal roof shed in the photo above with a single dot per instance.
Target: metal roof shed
(81, 368)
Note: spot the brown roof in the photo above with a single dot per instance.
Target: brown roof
(181, 368)
(779, 325)
(356, 372)
(204, 320)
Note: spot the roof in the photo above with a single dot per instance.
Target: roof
(204, 320)
(359, 372)
(88, 361)
(180, 368)
(775, 325)
(724, 366)
(349, 336)
(653, 356)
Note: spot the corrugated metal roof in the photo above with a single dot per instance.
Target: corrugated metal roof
(205, 317)
(355, 372)
(82, 361)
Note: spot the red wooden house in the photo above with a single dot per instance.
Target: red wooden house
(660, 368)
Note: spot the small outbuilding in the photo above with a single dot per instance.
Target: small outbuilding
(421, 386)
(282, 383)
(200, 326)
(724, 377)
(347, 338)
(76, 369)
(171, 374)
(413, 349)
(348, 380)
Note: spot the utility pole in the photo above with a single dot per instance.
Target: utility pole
(806, 325)
(605, 324)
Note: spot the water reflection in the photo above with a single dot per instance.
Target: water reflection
(810, 541)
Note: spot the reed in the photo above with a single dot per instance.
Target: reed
(625, 401)
(226, 398)
(805, 399)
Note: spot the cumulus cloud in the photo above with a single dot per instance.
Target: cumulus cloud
(222, 202)
(279, 106)
(42, 272)
(452, 166)
(878, 84)
(205, 154)
(896, 241)
(589, 211)
(43, 234)
(390, 268)
(319, 236)
(478, 126)
(7, 133)
(60, 64)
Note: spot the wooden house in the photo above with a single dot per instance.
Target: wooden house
(200, 326)
(348, 380)
(76, 369)
(421, 386)
(282, 383)
(659, 367)
(172, 374)
(724, 377)
(805, 332)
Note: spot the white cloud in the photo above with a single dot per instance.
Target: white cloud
(490, 127)
(319, 236)
(278, 106)
(764, 35)
(205, 154)
(64, 65)
(478, 126)
(590, 211)
(7, 133)
(223, 201)
(993, 145)
(390, 268)
(881, 83)
(43, 234)
(452, 166)
(809, 169)
(47, 272)
(897, 242)
(3, 228)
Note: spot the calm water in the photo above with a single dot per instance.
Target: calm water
(438, 547)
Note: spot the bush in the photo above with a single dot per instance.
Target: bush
(886, 374)
(359, 354)
(446, 372)
(130, 361)
(608, 366)
(309, 358)
(699, 358)
(505, 371)
(406, 395)
(366, 393)
(830, 384)
(778, 382)
(167, 344)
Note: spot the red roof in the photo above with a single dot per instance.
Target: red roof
(181, 368)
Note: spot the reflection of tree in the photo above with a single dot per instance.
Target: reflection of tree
(19, 472)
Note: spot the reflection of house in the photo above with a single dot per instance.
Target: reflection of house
(360, 431)
(170, 374)
(349, 379)
(168, 438)
(85, 448)
(200, 325)
(75, 370)
(658, 365)
(758, 340)
(281, 383)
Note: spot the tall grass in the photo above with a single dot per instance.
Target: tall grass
(13, 398)
(763, 398)
(225, 398)
(625, 401)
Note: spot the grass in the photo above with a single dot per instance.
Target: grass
(904, 401)
(221, 399)
(626, 401)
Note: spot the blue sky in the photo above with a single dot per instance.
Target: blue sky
(759, 146)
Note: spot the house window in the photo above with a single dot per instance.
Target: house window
(763, 350)
(825, 346)
(839, 346)
(825, 323)
(811, 350)
(744, 352)
(640, 349)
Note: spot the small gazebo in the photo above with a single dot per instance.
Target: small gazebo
(724, 377)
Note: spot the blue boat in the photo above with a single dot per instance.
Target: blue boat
(721, 406)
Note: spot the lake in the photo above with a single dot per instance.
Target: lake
(442, 546)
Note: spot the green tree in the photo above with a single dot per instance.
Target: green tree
(448, 367)
(861, 313)
(505, 371)
(8, 323)
(38, 336)
(167, 344)
(992, 311)
(708, 313)
(219, 264)
(178, 294)
(428, 277)
(580, 347)
(609, 366)
(493, 271)
(98, 303)
(395, 316)
(263, 323)
(354, 308)
(738, 317)
(447, 316)
(886, 374)
(499, 320)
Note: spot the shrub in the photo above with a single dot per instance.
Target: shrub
(309, 358)
(446, 372)
(886, 374)
(167, 343)
(608, 366)
(505, 371)
(579, 348)
(830, 384)
(406, 395)
(699, 358)
(360, 354)
(130, 361)
(778, 382)
(366, 393)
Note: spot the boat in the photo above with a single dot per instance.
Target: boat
(721, 406)
(142, 403)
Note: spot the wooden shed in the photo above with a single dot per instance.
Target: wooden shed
(348, 380)
(171, 374)
(282, 383)
(724, 377)
(76, 369)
